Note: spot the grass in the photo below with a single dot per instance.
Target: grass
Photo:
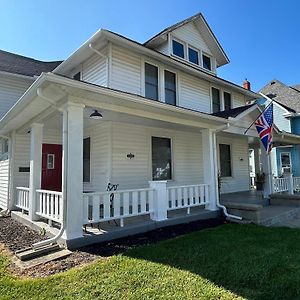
(227, 262)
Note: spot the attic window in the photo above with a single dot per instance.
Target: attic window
(178, 49)
(206, 62)
(193, 56)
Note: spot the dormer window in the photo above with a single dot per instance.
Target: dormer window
(178, 49)
(206, 62)
(193, 56)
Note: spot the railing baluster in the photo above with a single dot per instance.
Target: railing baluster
(143, 196)
(134, 203)
(126, 203)
(116, 205)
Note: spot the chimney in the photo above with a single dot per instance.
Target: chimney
(246, 85)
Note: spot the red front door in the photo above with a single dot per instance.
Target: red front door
(51, 167)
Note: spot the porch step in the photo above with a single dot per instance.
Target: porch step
(31, 253)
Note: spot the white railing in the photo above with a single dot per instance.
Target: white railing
(22, 200)
(116, 205)
(281, 184)
(187, 196)
(296, 184)
(49, 205)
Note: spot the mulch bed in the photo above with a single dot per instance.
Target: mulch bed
(15, 236)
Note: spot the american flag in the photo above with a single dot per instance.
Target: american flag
(264, 126)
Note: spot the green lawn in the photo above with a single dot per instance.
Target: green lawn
(226, 262)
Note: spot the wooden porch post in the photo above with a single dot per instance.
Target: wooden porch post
(72, 186)
(36, 140)
(210, 166)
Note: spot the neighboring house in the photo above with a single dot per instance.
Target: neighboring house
(286, 101)
(152, 119)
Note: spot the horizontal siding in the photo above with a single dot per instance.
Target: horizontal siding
(238, 100)
(191, 35)
(163, 48)
(11, 89)
(240, 180)
(136, 172)
(280, 121)
(4, 178)
(51, 136)
(94, 70)
(126, 70)
(194, 93)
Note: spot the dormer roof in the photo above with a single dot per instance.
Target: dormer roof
(205, 31)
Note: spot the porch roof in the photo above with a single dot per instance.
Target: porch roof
(58, 88)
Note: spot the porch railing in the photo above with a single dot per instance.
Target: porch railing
(281, 185)
(116, 205)
(296, 184)
(187, 196)
(49, 205)
(22, 200)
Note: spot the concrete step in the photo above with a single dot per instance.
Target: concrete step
(31, 253)
(290, 214)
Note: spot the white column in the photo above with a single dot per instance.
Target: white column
(274, 162)
(12, 187)
(160, 200)
(72, 186)
(257, 160)
(291, 184)
(36, 141)
(210, 170)
(267, 169)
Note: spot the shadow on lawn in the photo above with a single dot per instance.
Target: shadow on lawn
(252, 261)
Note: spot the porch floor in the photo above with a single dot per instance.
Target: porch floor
(248, 197)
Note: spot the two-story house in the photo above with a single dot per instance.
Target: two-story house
(152, 121)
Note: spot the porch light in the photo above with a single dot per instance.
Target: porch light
(96, 115)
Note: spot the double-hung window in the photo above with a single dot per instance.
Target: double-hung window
(170, 87)
(161, 158)
(151, 81)
(227, 100)
(225, 160)
(285, 159)
(87, 160)
(216, 100)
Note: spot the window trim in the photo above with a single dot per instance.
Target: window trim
(231, 160)
(290, 157)
(172, 157)
(90, 177)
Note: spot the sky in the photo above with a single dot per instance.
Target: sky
(260, 37)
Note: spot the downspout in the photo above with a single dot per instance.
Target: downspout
(221, 128)
(106, 61)
(64, 208)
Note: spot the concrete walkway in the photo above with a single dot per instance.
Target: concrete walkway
(293, 223)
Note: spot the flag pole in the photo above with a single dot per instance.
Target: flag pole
(258, 116)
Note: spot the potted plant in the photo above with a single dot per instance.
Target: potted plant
(260, 180)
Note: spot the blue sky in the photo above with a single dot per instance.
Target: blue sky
(261, 38)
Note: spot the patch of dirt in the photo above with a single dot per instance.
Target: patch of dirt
(15, 236)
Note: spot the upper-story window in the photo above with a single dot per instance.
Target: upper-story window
(193, 56)
(216, 100)
(206, 62)
(170, 87)
(151, 81)
(178, 48)
(227, 100)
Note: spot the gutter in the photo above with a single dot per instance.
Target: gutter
(221, 128)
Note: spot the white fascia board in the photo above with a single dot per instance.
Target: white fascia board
(288, 113)
(17, 75)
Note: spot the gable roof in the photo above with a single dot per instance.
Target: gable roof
(288, 97)
(233, 112)
(204, 30)
(17, 64)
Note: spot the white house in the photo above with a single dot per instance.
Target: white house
(153, 119)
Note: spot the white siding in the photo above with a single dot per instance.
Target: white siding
(280, 121)
(238, 100)
(240, 180)
(191, 35)
(11, 89)
(194, 93)
(4, 175)
(136, 172)
(51, 136)
(126, 70)
(164, 48)
(94, 70)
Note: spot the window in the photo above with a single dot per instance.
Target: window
(50, 161)
(216, 102)
(86, 160)
(206, 62)
(77, 76)
(170, 88)
(227, 100)
(285, 158)
(193, 56)
(225, 160)
(161, 158)
(178, 49)
(151, 81)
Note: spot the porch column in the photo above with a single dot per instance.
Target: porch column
(274, 162)
(257, 160)
(12, 187)
(267, 169)
(72, 185)
(210, 170)
(36, 140)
